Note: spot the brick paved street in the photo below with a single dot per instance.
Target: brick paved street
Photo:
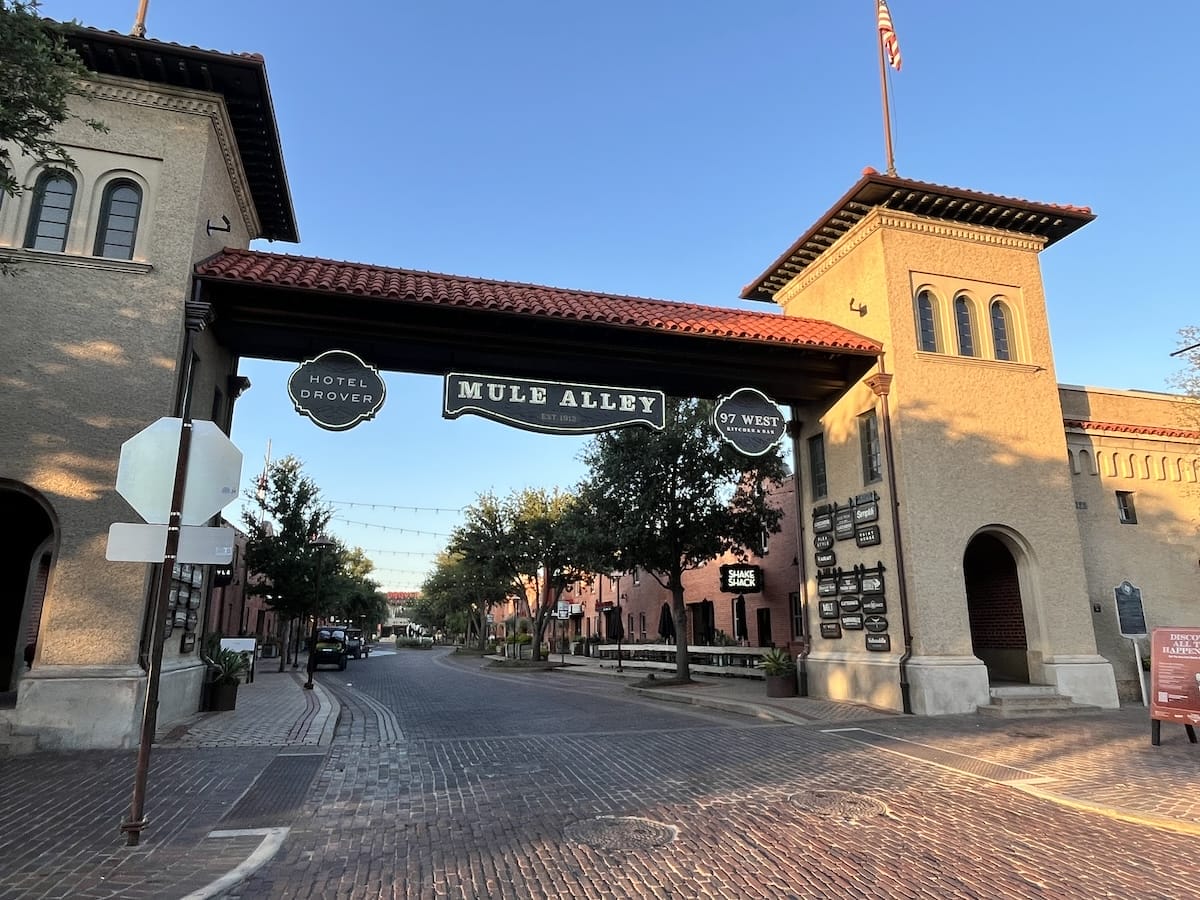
(446, 778)
(544, 785)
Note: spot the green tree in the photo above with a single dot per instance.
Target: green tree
(551, 546)
(1187, 381)
(38, 74)
(288, 515)
(669, 501)
(353, 596)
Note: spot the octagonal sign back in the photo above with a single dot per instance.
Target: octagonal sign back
(146, 472)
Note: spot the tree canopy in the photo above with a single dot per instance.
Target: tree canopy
(38, 74)
(669, 501)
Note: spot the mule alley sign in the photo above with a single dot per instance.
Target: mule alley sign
(552, 407)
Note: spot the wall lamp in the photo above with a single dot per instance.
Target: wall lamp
(237, 385)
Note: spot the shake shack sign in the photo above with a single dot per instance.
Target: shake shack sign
(552, 407)
(337, 390)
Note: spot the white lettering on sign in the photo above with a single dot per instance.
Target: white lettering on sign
(339, 380)
(500, 392)
(742, 578)
(339, 396)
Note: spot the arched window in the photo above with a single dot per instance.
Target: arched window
(964, 326)
(1001, 330)
(927, 332)
(119, 212)
(53, 200)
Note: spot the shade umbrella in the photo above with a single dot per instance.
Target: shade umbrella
(666, 623)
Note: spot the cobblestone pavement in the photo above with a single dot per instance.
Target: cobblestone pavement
(541, 785)
(445, 778)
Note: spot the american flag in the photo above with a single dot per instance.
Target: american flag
(887, 36)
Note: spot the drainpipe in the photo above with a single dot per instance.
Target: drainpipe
(881, 383)
(801, 570)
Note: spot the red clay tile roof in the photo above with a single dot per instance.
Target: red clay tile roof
(1122, 428)
(329, 276)
(1048, 220)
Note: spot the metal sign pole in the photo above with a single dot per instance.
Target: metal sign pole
(132, 827)
(1137, 656)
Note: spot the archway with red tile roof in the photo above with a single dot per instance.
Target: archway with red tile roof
(282, 307)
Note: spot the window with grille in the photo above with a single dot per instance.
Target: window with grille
(119, 213)
(868, 434)
(50, 218)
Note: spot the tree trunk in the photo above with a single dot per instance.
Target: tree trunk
(483, 635)
(683, 670)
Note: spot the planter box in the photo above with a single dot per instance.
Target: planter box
(222, 697)
(782, 685)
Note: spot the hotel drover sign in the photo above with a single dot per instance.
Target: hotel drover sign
(337, 390)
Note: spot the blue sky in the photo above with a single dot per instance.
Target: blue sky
(674, 150)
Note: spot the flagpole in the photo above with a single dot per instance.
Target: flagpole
(883, 88)
(139, 24)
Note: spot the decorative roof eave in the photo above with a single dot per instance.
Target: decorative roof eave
(874, 190)
(1139, 430)
(240, 79)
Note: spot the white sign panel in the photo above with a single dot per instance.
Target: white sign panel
(130, 542)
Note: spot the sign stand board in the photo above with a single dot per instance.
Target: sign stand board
(1175, 680)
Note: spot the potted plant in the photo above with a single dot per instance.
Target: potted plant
(225, 672)
(780, 670)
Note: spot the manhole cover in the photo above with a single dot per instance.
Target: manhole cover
(840, 805)
(621, 833)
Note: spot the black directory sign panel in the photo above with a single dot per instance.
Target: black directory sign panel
(1130, 615)
(827, 586)
(831, 630)
(825, 559)
(843, 523)
(866, 512)
(874, 605)
(875, 624)
(849, 604)
(872, 581)
(823, 541)
(852, 622)
(868, 536)
(879, 643)
(848, 583)
(827, 609)
(822, 523)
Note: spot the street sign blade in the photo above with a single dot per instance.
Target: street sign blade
(130, 542)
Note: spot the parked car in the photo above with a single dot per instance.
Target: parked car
(356, 643)
(330, 648)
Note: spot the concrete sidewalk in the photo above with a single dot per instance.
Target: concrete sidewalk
(61, 811)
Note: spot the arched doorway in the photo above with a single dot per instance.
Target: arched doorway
(25, 558)
(994, 606)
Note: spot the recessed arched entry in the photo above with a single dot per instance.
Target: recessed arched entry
(25, 560)
(996, 612)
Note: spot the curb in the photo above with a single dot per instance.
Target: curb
(733, 706)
